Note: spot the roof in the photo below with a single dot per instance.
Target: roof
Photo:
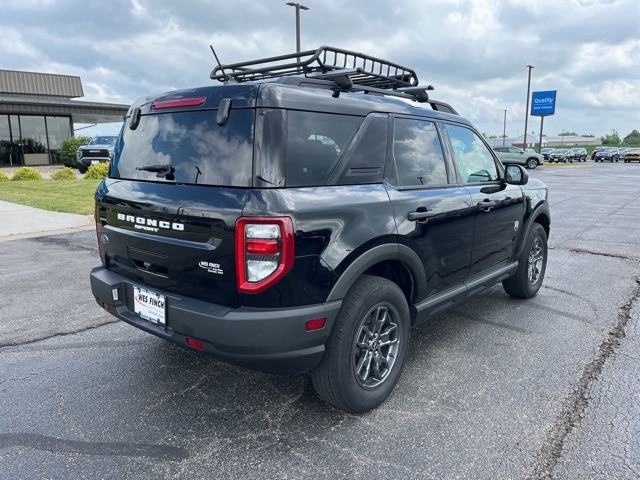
(44, 84)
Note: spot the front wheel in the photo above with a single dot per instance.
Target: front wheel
(527, 280)
(532, 163)
(365, 354)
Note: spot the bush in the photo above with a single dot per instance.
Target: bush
(68, 148)
(3, 177)
(97, 171)
(65, 173)
(27, 173)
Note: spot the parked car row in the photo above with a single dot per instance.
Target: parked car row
(530, 159)
(566, 154)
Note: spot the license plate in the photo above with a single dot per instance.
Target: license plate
(95, 162)
(149, 305)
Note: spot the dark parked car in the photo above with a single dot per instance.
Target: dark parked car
(610, 154)
(596, 150)
(99, 149)
(579, 154)
(304, 222)
(545, 152)
(632, 155)
(561, 155)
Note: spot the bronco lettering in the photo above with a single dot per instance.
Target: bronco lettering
(150, 223)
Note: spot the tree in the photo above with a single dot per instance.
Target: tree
(568, 134)
(633, 138)
(68, 148)
(611, 139)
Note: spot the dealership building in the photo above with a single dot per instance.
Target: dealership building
(38, 111)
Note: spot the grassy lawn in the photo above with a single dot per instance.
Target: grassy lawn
(70, 196)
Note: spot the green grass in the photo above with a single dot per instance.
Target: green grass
(69, 196)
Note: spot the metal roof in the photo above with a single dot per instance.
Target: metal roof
(82, 112)
(45, 84)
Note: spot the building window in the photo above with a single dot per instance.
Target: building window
(6, 144)
(32, 139)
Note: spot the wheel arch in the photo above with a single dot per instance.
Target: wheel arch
(540, 215)
(395, 262)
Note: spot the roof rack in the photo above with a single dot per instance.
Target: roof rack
(361, 69)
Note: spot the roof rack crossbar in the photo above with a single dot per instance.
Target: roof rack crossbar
(363, 69)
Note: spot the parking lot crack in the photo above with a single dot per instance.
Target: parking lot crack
(602, 254)
(576, 403)
(59, 445)
(31, 341)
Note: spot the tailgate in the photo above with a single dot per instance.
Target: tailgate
(183, 245)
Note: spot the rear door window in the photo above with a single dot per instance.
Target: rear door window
(315, 142)
(189, 148)
(417, 152)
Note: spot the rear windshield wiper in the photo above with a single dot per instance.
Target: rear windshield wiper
(162, 170)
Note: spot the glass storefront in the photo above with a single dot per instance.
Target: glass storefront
(32, 139)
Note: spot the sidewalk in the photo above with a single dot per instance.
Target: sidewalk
(18, 221)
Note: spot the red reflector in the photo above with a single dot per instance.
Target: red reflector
(107, 307)
(193, 343)
(316, 324)
(262, 247)
(178, 103)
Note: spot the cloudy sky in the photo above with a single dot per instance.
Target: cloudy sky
(475, 52)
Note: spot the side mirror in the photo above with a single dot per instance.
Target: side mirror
(516, 175)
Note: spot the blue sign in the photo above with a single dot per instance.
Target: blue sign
(543, 103)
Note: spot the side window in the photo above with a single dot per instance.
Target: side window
(418, 154)
(474, 160)
(315, 142)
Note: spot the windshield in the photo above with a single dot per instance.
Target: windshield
(188, 147)
(111, 140)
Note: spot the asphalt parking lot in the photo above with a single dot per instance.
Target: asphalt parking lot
(494, 389)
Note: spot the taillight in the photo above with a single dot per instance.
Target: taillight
(264, 252)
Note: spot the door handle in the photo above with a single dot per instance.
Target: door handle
(486, 205)
(420, 216)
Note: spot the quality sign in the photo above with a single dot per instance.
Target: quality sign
(543, 103)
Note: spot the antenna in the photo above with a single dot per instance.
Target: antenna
(219, 64)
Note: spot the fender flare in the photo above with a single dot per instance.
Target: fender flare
(375, 255)
(541, 209)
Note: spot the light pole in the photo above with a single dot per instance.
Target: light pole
(298, 7)
(504, 128)
(526, 108)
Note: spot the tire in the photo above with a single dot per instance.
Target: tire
(532, 163)
(366, 351)
(527, 280)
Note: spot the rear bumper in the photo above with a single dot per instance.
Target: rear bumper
(271, 340)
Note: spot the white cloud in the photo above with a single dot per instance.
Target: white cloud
(475, 52)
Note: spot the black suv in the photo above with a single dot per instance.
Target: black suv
(304, 214)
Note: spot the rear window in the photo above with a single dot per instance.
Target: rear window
(189, 148)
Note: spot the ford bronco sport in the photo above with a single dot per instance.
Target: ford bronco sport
(304, 214)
